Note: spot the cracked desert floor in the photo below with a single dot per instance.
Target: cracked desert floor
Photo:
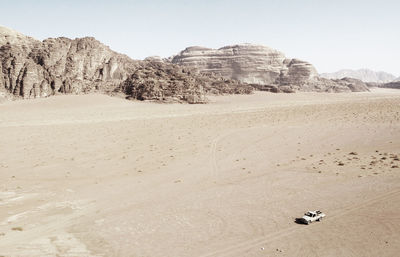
(94, 175)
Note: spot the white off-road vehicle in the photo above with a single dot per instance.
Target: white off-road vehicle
(311, 216)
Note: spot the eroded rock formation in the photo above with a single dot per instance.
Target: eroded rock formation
(30, 68)
(259, 65)
(248, 63)
(157, 80)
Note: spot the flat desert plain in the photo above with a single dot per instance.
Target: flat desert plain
(94, 175)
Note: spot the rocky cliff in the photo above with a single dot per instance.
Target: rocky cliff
(247, 63)
(259, 65)
(31, 68)
(361, 74)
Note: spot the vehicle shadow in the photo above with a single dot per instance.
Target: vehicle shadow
(299, 221)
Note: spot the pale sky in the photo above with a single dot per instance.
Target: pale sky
(330, 34)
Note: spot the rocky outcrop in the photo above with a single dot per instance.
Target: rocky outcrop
(30, 68)
(264, 67)
(60, 65)
(395, 85)
(154, 79)
(364, 75)
(355, 85)
(15, 38)
(247, 63)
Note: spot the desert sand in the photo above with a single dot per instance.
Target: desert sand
(94, 175)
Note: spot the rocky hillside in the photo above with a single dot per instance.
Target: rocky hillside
(157, 80)
(361, 74)
(395, 84)
(355, 85)
(31, 68)
(262, 66)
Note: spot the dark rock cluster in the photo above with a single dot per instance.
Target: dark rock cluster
(395, 84)
(157, 80)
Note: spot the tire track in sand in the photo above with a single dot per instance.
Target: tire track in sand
(247, 245)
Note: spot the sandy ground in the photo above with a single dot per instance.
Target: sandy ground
(99, 176)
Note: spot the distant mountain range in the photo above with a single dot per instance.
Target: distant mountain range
(363, 75)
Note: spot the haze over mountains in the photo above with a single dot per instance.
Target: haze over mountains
(30, 68)
(365, 75)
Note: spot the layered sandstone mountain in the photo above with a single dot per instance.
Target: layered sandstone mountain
(31, 68)
(260, 65)
(247, 63)
(365, 75)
